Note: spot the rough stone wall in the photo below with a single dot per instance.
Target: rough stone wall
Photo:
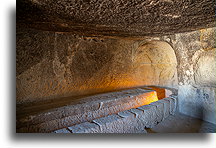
(196, 53)
(55, 64)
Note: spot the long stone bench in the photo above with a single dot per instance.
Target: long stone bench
(87, 109)
(134, 120)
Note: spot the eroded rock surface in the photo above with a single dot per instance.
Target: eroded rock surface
(52, 65)
(117, 17)
(195, 53)
(205, 68)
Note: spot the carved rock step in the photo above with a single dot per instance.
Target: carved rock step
(129, 121)
(87, 109)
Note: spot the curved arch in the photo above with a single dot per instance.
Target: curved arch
(155, 64)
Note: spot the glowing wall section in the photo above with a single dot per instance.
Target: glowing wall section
(52, 65)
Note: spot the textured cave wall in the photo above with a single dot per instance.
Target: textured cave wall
(54, 64)
(117, 17)
(196, 57)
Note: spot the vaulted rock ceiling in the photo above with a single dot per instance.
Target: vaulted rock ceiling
(116, 17)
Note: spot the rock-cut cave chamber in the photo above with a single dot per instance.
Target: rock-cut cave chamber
(114, 66)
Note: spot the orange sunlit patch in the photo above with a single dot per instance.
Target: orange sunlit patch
(150, 97)
(146, 98)
(161, 92)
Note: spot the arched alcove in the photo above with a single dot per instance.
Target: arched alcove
(205, 68)
(154, 63)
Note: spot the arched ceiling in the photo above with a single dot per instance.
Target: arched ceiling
(116, 17)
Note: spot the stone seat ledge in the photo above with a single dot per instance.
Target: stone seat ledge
(112, 102)
(129, 121)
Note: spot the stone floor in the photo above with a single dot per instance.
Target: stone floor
(180, 123)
